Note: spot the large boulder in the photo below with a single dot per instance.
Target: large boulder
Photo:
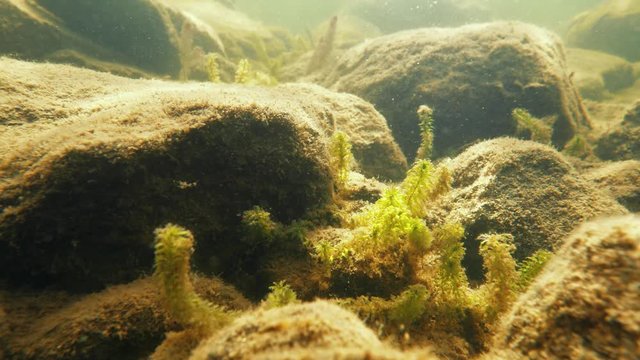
(473, 76)
(303, 331)
(121, 322)
(91, 163)
(613, 27)
(523, 188)
(622, 179)
(586, 303)
(623, 141)
(164, 38)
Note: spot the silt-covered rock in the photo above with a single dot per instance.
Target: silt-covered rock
(523, 188)
(472, 76)
(92, 163)
(586, 303)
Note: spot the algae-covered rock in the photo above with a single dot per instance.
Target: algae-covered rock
(613, 27)
(472, 76)
(586, 303)
(623, 141)
(597, 74)
(121, 322)
(622, 179)
(522, 188)
(98, 162)
(313, 330)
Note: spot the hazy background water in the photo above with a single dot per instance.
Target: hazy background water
(300, 15)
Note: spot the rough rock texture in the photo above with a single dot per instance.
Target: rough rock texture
(523, 188)
(313, 330)
(121, 322)
(473, 76)
(586, 303)
(597, 74)
(92, 163)
(613, 27)
(623, 142)
(622, 179)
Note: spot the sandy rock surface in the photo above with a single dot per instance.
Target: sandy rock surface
(312, 330)
(622, 179)
(622, 142)
(586, 303)
(98, 162)
(473, 76)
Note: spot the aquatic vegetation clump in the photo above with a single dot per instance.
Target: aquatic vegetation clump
(173, 249)
(531, 128)
(409, 306)
(500, 287)
(423, 185)
(243, 72)
(341, 158)
(451, 280)
(425, 117)
(257, 226)
(529, 269)
(578, 147)
(212, 68)
(280, 294)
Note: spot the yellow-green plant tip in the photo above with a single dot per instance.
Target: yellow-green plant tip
(280, 294)
(341, 158)
(173, 249)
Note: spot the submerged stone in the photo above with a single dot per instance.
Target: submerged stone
(472, 76)
(585, 304)
(613, 27)
(92, 163)
(522, 188)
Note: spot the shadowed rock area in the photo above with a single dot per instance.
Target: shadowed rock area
(124, 321)
(82, 151)
(586, 303)
(522, 188)
(472, 76)
(623, 141)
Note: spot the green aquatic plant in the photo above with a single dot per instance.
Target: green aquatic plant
(173, 249)
(530, 127)
(451, 280)
(529, 269)
(211, 66)
(257, 226)
(423, 185)
(280, 294)
(341, 158)
(578, 147)
(425, 122)
(243, 72)
(500, 286)
(410, 305)
(387, 222)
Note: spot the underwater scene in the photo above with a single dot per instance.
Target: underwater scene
(320, 179)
